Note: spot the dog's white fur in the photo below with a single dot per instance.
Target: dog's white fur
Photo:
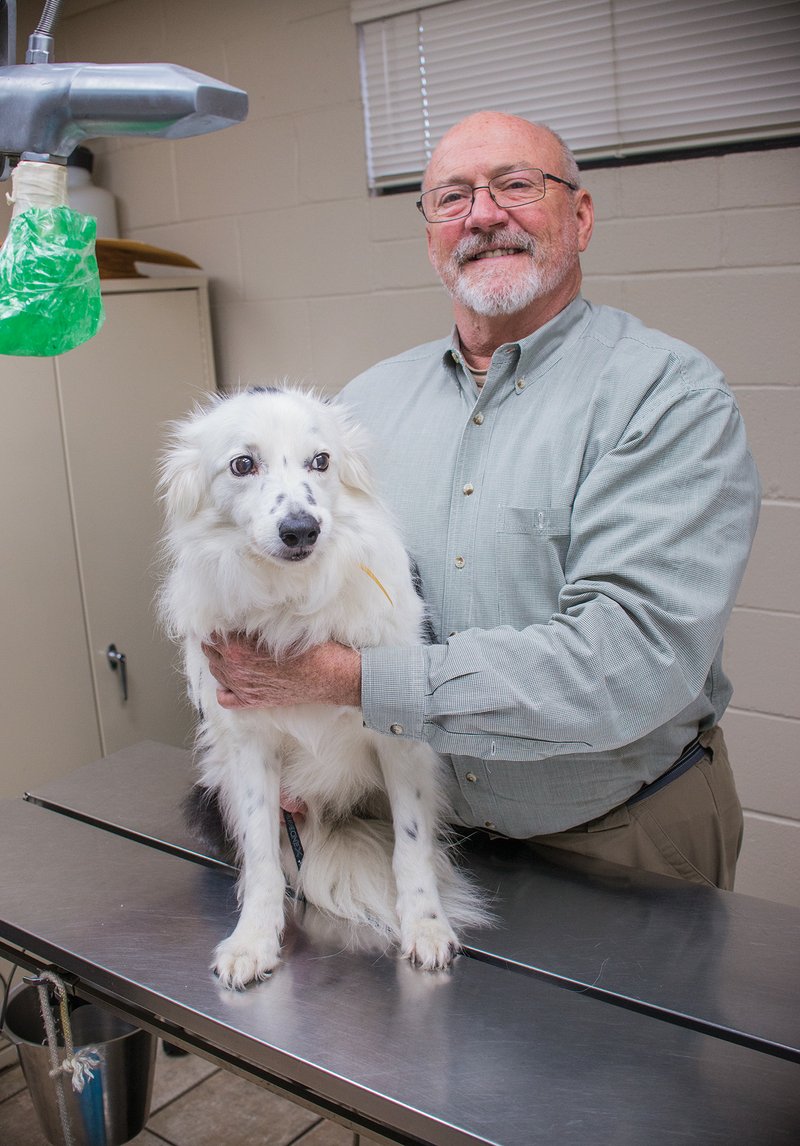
(229, 570)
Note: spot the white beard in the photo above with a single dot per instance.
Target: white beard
(495, 298)
(493, 294)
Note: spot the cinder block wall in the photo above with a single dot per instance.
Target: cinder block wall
(312, 279)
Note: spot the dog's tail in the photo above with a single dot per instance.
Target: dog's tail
(347, 871)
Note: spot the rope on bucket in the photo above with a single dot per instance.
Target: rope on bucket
(81, 1064)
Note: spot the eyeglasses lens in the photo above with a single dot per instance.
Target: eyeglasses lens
(513, 189)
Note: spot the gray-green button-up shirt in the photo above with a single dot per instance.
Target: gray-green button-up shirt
(581, 526)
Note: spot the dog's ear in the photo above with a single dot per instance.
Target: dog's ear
(182, 483)
(354, 468)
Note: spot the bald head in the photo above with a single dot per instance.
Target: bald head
(533, 144)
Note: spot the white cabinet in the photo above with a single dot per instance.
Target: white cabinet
(80, 437)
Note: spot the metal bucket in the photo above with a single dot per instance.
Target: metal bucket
(114, 1105)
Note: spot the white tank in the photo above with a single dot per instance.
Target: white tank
(83, 196)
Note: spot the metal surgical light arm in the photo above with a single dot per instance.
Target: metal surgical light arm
(47, 109)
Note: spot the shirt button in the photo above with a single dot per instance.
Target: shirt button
(396, 729)
(468, 489)
(473, 779)
(488, 824)
(478, 419)
(520, 383)
(459, 562)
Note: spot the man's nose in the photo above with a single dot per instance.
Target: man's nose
(485, 212)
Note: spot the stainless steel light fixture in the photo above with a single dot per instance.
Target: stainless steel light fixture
(47, 109)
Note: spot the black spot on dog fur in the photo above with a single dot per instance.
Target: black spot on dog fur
(428, 633)
(203, 817)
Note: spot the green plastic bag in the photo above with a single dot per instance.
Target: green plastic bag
(50, 298)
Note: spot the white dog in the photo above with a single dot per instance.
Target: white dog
(273, 530)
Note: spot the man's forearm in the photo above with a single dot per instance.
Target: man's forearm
(251, 677)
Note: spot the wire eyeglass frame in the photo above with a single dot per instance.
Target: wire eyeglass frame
(545, 175)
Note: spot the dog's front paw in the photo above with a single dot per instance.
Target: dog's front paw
(430, 943)
(241, 959)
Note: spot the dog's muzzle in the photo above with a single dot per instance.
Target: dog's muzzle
(299, 532)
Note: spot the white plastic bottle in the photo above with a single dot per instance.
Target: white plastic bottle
(83, 196)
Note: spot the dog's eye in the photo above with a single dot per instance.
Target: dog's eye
(320, 462)
(242, 466)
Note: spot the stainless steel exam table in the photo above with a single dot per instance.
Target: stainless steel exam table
(606, 1007)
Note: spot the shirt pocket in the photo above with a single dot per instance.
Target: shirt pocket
(531, 548)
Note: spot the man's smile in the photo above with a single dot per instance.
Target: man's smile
(503, 245)
(499, 252)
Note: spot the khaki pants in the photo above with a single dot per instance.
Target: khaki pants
(692, 828)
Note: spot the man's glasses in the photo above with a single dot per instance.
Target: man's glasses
(514, 189)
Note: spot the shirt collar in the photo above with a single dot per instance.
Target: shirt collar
(540, 350)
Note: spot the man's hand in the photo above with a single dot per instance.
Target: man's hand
(250, 677)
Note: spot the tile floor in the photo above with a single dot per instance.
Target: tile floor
(194, 1104)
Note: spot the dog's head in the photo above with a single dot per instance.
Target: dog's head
(271, 464)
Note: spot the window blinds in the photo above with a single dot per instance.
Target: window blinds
(614, 77)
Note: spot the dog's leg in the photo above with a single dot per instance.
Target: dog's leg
(409, 771)
(252, 799)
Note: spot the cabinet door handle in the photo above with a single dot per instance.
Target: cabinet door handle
(119, 661)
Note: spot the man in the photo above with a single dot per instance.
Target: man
(580, 498)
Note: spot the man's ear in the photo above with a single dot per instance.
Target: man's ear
(584, 213)
(428, 242)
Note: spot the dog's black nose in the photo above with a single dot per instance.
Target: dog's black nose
(299, 531)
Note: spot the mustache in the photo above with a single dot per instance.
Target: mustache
(472, 245)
